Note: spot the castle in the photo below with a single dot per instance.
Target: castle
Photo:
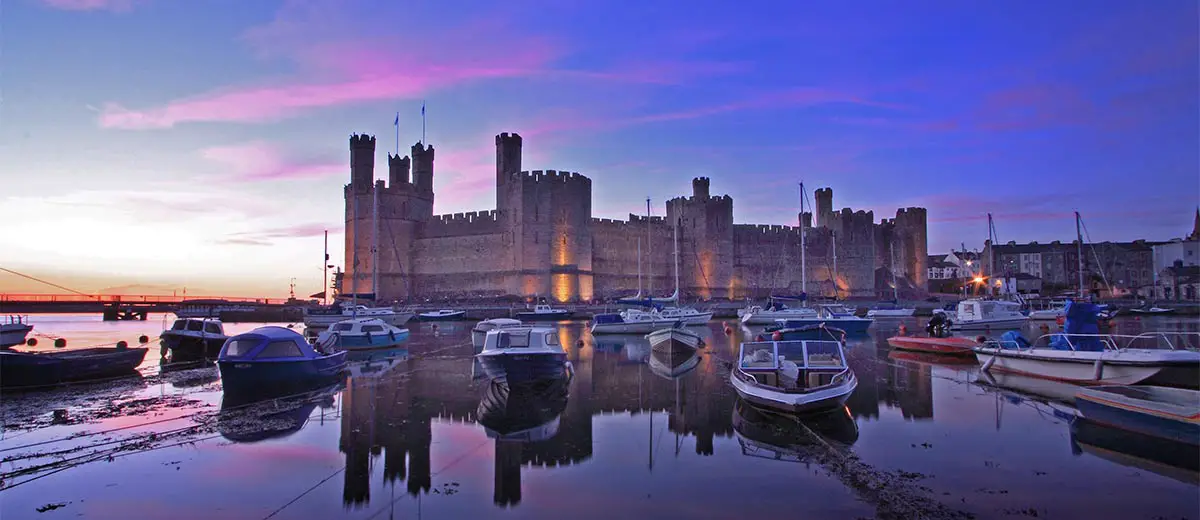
(542, 241)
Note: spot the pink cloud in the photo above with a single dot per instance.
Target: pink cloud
(1035, 106)
(258, 161)
(265, 237)
(90, 5)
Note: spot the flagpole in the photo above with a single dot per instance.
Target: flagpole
(397, 123)
(422, 123)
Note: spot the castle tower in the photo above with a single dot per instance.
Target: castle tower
(705, 245)
(358, 202)
(700, 188)
(422, 166)
(824, 211)
(398, 170)
(508, 162)
(549, 216)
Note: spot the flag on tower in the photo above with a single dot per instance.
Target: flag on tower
(397, 122)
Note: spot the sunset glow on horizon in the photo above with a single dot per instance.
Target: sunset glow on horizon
(149, 146)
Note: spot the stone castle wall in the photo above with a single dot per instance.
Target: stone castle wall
(542, 241)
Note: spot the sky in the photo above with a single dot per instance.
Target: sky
(151, 146)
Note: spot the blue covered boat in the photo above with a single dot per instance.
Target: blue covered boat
(1168, 413)
(817, 332)
(274, 357)
(361, 334)
(851, 325)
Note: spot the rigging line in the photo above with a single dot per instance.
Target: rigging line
(68, 289)
(307, 491)
(1092, 246)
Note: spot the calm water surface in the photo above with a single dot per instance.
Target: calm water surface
(408, 436)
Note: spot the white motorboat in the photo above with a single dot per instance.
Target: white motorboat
(756, 315)
(634, 323)
(1152, 310)
(523, 354)
(1047, 314)
(793, 376)
(883, 312)
(320, 318)
(975, 314)
(479, 332)
(194, 338)
(14, 330)
(442, 315)
(361, 334)
(667, 340)
(686, 315)
(543, 312)
(1107, 359)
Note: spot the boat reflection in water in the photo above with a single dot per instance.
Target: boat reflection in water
(1171, 459)
(519, 416)
(673, 363)
(247, 418)
(775, 435)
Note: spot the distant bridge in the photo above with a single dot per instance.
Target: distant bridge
(144, 299)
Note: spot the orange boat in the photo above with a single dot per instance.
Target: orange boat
(945, 346)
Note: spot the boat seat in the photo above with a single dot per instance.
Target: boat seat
(823, 360)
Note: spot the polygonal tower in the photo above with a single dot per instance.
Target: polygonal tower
(358, 213)
(508, 162)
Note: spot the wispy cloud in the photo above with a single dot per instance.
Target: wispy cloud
(267, 237)
(260, 161)
(90, 5)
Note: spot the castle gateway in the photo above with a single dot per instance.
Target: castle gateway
(542, 241)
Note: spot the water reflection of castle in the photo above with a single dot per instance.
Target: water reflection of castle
(392, 418)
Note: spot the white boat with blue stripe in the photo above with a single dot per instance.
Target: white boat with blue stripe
(361, 334)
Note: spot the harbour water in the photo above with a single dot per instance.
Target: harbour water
(415, 435)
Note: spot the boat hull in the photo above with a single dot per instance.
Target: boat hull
(944, 346)
(851, 326)
(1175, 460)
(325, 320)
(24, 370)
(636, 327)
(545, 316)
(1152, 312)
(1142, 416)
(1047, 315)
(692, 320)
(454, 316)
(367, 342)
(192, 347)
(770, 318)
(1080, 367)
(522, 368)
(821, 400)
(240, 376)
(673, 340)
(891, 313)
(1005, 323)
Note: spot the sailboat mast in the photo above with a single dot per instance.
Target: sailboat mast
(325, 273)
(676, 239)
(835, 269)
(354, 246)
(991, 252)
(639, 247)
(1079, 237)
(895, 291)
(375, 242)
(803, 253)
(649, 256)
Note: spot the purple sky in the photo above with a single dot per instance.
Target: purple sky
(166, 143)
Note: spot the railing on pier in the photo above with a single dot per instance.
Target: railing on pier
(132, 298)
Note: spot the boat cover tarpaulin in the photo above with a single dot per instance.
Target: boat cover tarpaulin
(1079, 318)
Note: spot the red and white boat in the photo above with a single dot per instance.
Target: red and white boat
(946, 346)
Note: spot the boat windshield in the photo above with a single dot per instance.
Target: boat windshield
(513, 339)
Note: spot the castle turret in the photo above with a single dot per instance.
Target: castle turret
(362, 161)
(700, 188)
(398, 170)
(824, 203)
(508, 162)
(422, 167)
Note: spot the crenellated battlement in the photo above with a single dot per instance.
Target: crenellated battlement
(554, 176)
(462, 224)
(764, 229)
(362, 141)
(467, 218)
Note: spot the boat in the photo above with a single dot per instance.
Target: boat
(361, 334)
(442, 315)
(1169, 413)
(192, 338)
(757, 315)
(886, 310)
(850, 325)
(208, 308)
(816, 331)
(673, 364)
(674, 339)
(1174, 460)
(523, 354)
(325, 317)
(1152, 310)
(977, 314)
(275, 357)
(24, 370)
(638, 323)
(14, 331)
(543, 312)
(1083, 356)
(479, 332)
(1055, 310)
(952, 346)
(793, 376)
